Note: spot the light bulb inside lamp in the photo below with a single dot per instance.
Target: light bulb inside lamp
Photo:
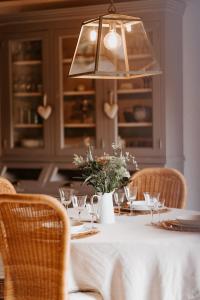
(93, 35)
(112, 40)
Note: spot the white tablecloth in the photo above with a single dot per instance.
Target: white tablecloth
(131, 260)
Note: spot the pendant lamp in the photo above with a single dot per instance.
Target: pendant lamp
(113, 46)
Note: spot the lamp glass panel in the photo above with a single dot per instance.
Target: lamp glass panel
(140, 53)
(111, 54)
(84, 57)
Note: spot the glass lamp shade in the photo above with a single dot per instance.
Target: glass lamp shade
(114, 47)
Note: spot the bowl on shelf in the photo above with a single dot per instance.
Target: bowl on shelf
(128, 116)
(31, 143)
(141, 113)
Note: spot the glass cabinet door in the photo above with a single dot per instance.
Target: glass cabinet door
(136, 101)
(135, 123)
(29, 108)
(27, 93)
(78, 102)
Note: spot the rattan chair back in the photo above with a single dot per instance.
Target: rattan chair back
(6, 186)
(34, 247)
(170, 183)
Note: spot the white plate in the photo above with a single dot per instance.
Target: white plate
(140, 205)
(191, 220)
(76, 226)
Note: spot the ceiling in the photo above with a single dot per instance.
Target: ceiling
(15, 6)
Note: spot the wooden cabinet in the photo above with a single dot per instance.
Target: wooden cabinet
(26, 94)
(35, 59)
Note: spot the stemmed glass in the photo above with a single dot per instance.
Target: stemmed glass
(152, 200)
(119, 199)
(131, 194)
(161, 205)
(65, 196)
(92, 209)
(79, 203)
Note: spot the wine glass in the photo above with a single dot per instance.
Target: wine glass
(65, 196)
(152, 200)
(161, 205)
(79, 203)
(119, 199)
(92, 209)
(131, 194)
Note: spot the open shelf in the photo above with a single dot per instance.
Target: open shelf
(31, 94)
(28, 125)
(27, 62)
(134, 124)
(134, 91)
(79, 125)
(78, 93)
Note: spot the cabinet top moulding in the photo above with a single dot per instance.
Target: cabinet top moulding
(134, 124)
(79, 93)
(27, 62)
(60, 14)
(134, 91)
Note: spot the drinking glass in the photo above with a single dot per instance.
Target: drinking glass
(79, 203)
(65, 196)
(131, 194)
(161, 205)
(92, 209)
(152, 200)
(119, 199)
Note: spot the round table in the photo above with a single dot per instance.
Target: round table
(133, 260)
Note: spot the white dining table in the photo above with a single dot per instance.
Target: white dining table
(133, 260)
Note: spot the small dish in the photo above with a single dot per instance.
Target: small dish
(191, 220)
(76, 226)
(140, 205)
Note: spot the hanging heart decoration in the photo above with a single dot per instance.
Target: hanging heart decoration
(44, 110)
(110, 109)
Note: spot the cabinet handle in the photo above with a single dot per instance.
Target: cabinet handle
(102, 144)
(160, 144)
(4, 143)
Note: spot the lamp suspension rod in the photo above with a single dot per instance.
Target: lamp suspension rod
(112, 9)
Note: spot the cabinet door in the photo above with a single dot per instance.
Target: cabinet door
(139, 123)
(26, 109)
(79, 113)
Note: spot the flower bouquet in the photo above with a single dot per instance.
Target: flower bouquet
(105, 173)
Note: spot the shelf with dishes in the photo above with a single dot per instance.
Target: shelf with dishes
(135, 124)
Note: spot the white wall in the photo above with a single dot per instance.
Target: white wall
(191, 92)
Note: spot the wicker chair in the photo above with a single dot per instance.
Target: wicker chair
(6, 187)
(35, 248)
(170, 183)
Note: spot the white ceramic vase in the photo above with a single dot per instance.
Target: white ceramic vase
(105, 208)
